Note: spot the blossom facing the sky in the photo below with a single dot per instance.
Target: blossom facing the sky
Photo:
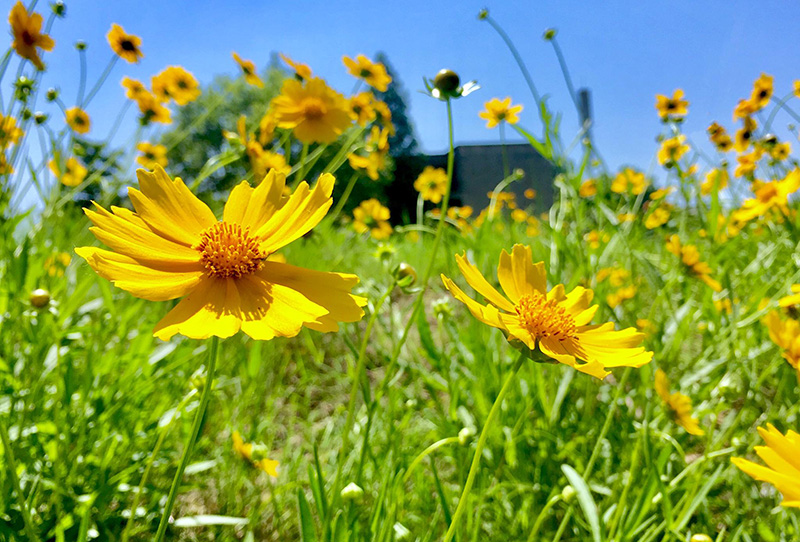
(674, 108)
(553, 322)
(28, 38)
(769, 197)
(497, 111)
(78, 120)
(248, 70)
(370, 216)
(74, 172)
(124, 45)
(176, 84)
(151, 155)
(301, 71)
(782, 456)
(172, 246)
(679, 405)
(372, 73)
(312, 110)
(431, 184)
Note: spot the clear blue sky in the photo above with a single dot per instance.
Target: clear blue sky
(625, 52)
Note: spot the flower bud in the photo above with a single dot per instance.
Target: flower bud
(40, 298)
(700, 538)
(482, 14)
(400, 531)
(352, 493)
(446, 81)
(80, 45)
(52, 94)
(26, 114)
(59, 9)
(465, 434)
(405, 275)
(568, 493)
(39, 117)
(549, 34)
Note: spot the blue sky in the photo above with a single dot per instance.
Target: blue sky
(625, 52)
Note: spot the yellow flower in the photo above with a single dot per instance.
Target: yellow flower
(594, 238)
(362, 108)
(263, 161)
(791, 300)
(246, 451)
(373, 163)
(661, 193)
(316, 113)
(746, 163)
(302, 71)
(690, 257)
(629, 180)
(716, 180)
(373, 73)
(498, 111)
(27, 31)
(679, 404)
(769, 196)
(9, 132)
(672, 149)
(745, 135)
(786, 335)
(249, 71)
(626, 217)
(552, 322)
(74, 172)
(5, 167)
(370, 216)
(588, 188)
(519, 216)
(431, 184)
(384, 114)
(151, 155)
(152, 109)
(172, 246)
(126, 46)
(133, 89)
(177, 84)
(78, 120)
(56, 264)
(674, 108)
(719, 137)
(658, 217)
(723, 305)
(743, 109)
(616, 298)
(529, 193)
(780, 151)
(762, 92)
(782, 456)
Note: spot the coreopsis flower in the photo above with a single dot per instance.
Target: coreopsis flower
(503, 198)
(658, 216)
(152, 109)
(626, 217)
(723, 305)
(10, 133)
(715, 180)
(57, 263)
(771, 196)
(151, 155)
(460, 215)
(780, 151)
(719, 137)
(588, 188)
(745, 135)
(552, 323)
(73, 174)
(172, 246)
(301, 71)
(532, 229)
(679, 405)
(497, 111)
(27, 31)
(177, 84)
(674, 108)
(661, 193)
(519, 216)
(384, 115)
(5, 166)
(616, 298)
(373, 73)
(690, 257)
(744, 109)
(370, 216)
(785, 333)
(249, 71)
(373, 163)
(315, 112)
(782, 456)
(616, 276)
(78, 120)
(529, 193)
(746, 163)
(595, 238)
(134, 89)
(431, 184)
(362, 107)
(672, 150)
(124, 45)
(791, 300)
(629, 180)
(762, 92)
(252, 455)
(266, 128)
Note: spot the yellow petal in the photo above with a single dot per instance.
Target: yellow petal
(481, 285)
(556, 350)
(518, 275)
(487, 314)
(212, 308)
(252, 207)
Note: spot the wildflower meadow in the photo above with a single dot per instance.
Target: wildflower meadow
(266, 319)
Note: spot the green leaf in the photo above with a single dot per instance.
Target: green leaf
(585, 500)
(206, 520)
(307, 530)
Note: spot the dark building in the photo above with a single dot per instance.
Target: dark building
(478, 169)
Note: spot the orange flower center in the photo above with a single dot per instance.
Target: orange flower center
(544, 318)
(313, 108)
(228, 251)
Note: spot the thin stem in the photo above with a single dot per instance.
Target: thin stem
(99, 82)
(476, 459)
(82, 83)
(565, 71)
(213, 355)
(343, 199)
(426, 452)
(301, 171)
(12, 470)
(503, 149)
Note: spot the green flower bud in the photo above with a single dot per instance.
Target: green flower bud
(59, 9)
(700, 538)
(446, 81)
(482, 14)
(465, 435)
(39, 298)
(352, 493)
(26, 114)
(568, 493)
(52, 94)
(80, 45)
(405, 275)
(549, 34)
(400, 531)
(39, 117)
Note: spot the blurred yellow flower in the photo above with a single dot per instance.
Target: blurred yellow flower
(5, 167)
(529, 193)
(498, 111)
(588, 188)
(771, 196)
(719, 137)
(248, 70)
(133, 89)
(314, 111)
(370, 216)
(674, 108)
(373, 163)
(785, 333)
(626, 217)
(672, 150)
(152, 109)
(247, 452)
(57, 263)
(172, 246)
(27, 31)
(690, 257)
(10, 133)
(431, 184)
(791, 300)
(594, 238)
(661, 193)
(124, 45)
(716, 180)
(373, 73)
(746, 163)
(78, 120)
(362, 107)
(745, 135)
(616, 298)
(177, 84)
(301, 71)
(384, 115)
(552, 322)
(679, 404)
(629, 180)
(151, 155)
(743, 109)
(782, 456)
(74, 173)
(762, 92)
(658, 217)
(780, 151)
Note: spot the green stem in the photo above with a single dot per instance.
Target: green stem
(567, 79)
(301, 171)
(213, 356)
(12, 470)
(343, 199)
(476, 459)
(426, 452)
(99, 83)
(503, 149)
